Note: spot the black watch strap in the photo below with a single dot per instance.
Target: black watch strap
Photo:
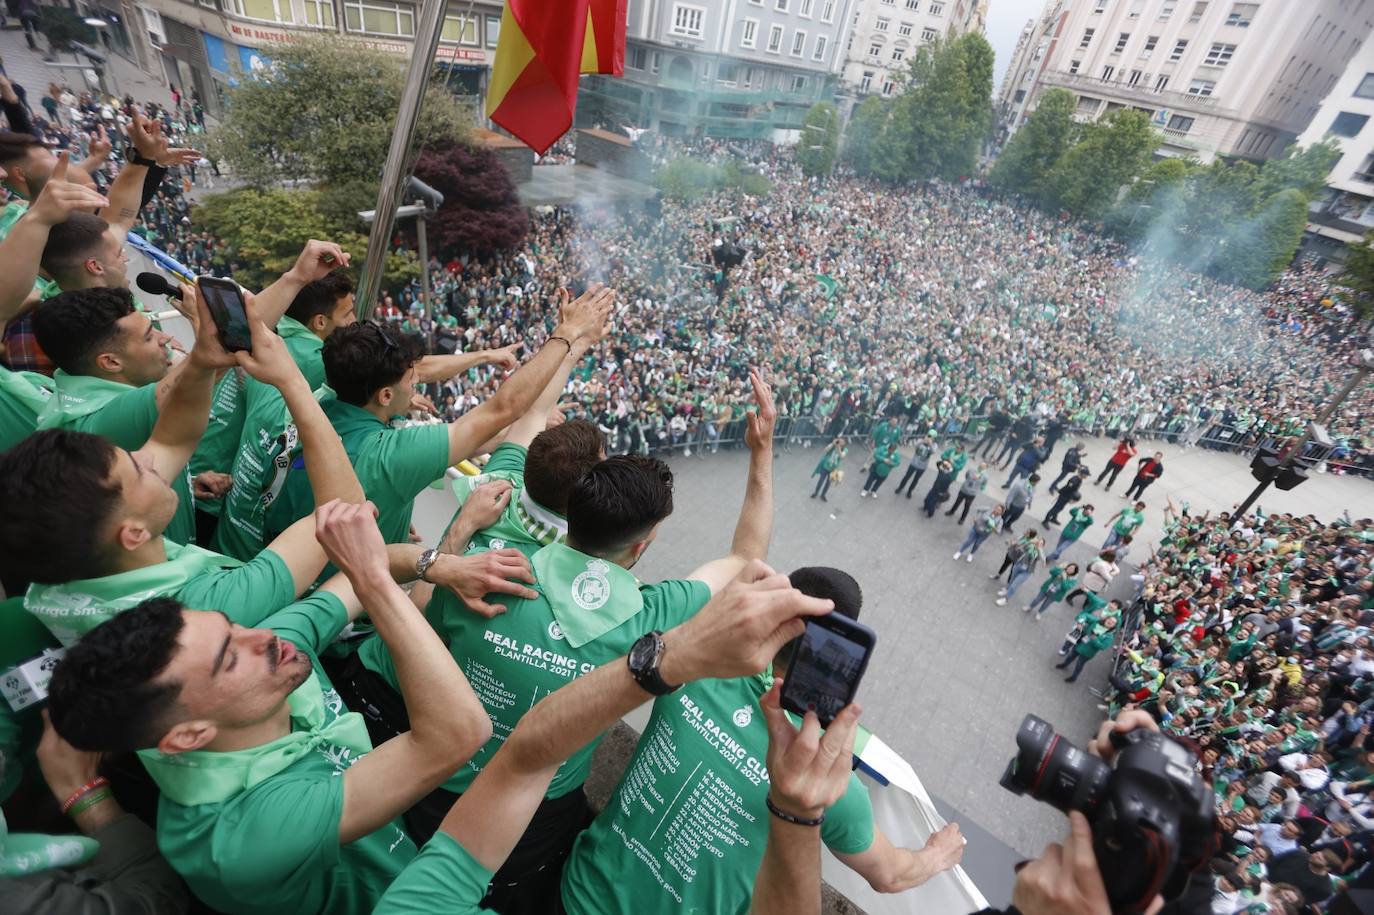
(644, 659)
(131, 156)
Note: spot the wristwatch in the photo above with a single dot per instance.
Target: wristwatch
(425, 560)
(133, 157)
(646, 654)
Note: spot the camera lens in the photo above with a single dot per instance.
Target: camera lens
(1050, 769)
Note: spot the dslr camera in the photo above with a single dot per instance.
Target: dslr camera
(1152, 816)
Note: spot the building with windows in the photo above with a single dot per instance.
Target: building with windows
(886, 32)
(205, 45)
(722, 68)
(1345, 211)
(1217, 77)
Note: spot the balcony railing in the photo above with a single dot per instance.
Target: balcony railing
(1140, 95)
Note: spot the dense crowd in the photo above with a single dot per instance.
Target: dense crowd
(206, 554)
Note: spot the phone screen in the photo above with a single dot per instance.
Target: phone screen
(826, 669)
(225, 302)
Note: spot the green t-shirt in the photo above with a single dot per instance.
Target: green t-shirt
(443, 878)
(305, 348)
(22, 638)
(125, 415)
(1130, 520)
(393, 465)
(1079, 521)
(13, 211)
(525, 525)
(686, 828)
(220, 441)
(266, 446)
(246, 592)
(589, 613)
(274, 846)
(23, 395)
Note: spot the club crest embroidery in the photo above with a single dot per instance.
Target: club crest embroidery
(591, 589)
(743, 716)
(556, 631)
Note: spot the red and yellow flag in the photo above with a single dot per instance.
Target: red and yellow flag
(544, 46)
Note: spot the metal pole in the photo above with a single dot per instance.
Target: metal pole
(425, 290)
(397, 167)
(1297, 450)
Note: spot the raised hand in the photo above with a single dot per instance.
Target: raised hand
(807, 771)
(352, 540)
(586, 318)
(507, 357)
(472, 578)
(759, 431)
(485, 504)
(419, 403)
(269, 361)
(317, 260)
(60, 198)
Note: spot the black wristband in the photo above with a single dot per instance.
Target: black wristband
(796, 820)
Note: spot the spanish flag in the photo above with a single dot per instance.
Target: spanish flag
(544, 46)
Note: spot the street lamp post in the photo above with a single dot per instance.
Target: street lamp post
(1365, 366)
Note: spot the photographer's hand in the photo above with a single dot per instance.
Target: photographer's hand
(1065, 880)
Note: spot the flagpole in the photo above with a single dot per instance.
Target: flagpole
(397, 167)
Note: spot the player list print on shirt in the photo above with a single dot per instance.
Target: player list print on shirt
(704, 815)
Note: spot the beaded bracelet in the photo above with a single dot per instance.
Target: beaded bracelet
(99, 781)
(791, 818)
(564, 340)
(90, 800)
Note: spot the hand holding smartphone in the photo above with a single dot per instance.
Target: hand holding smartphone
(224, 299)
(827, 667)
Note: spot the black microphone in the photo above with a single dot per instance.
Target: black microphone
(156, 284)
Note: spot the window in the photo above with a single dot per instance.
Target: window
(937, 9)
(1179, 47)
(687, 20)
(1219, 55)
(799, 84)
(749, 36)
(1201, 87)
(1121, 42)
(654, 61)
(266, 10)
(1087, 106)
(904, 29)
(1101, 5)
(1107, 73)
(828, 11)
(462, 29)
(1167, 10)
(1199, 8)
(728, 74)
(1348, 124)
(775, 39)
(1366, 171)
(320, 13)
(805, 9)
(866, 83)
(639, 58)
(1074, 65)
(928, 34)
(378, 17)
(888, 86)
(875, 51)
(1137, 6)
(1161, 84)
(1242, 14)
(1180, 123)
(882, 24)
(494, 34)
(798, 43)
(1134, 78)
(1149, 48)
(780, 5)
(819, 53)
(1087, 38)
(1366, 87)
(898, 54)
(913, 5)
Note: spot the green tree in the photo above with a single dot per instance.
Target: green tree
(1358, 277)
(943, 114)
(324, 112)
(1153, 206)
(1111, 154)
(864, 134)
(1303, 169)
(819, 144)
(1259, 254)
(62, 27)
(685, 179)
(265, 229)
(1037, 147)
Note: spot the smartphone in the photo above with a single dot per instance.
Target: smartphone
(225, 301)
(828, 664)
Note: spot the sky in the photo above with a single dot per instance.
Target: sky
(1006, 18)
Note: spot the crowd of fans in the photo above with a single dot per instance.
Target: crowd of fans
(214, 546)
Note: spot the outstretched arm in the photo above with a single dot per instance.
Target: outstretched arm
(316, 261)
(441, 368)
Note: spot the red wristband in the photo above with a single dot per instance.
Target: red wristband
(99, 781)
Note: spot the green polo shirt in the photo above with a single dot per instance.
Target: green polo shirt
(588, 613)
(246, 592)
(1079, 521)
(273, 847)
(266, 446)
(222, 432)
(393, 465)
(1130, 520)
(23, 395)
(305, 348)
(444, 878)
(125, 415)
(686, 828)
